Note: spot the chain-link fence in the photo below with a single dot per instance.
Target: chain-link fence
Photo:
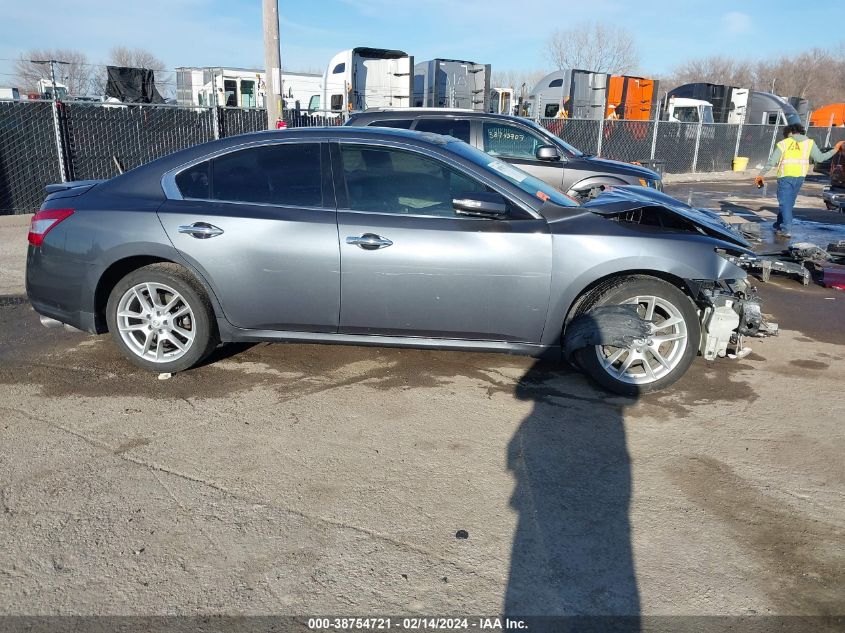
(29, 159)
(679, 147)
(42, 142)
(105, 139)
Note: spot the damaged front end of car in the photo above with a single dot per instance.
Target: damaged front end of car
(730, 312)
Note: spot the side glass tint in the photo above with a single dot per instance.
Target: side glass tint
(383, 180)
(284, 174)
(193, 182)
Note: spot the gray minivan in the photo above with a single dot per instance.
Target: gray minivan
(521, 142)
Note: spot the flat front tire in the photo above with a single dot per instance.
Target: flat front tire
(649, 364)
(161, 318)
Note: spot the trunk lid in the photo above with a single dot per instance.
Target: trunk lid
(70, 189)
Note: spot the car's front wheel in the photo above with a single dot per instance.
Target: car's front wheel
(161, 318)
(657, 360)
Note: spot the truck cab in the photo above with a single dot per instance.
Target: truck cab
(683, 110)
(362, 78)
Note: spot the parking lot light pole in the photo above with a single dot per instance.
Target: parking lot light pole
(272, 63)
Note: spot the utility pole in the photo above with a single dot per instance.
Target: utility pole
(52, 63)
(272, 63)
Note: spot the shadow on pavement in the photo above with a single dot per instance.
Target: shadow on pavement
(572, 546)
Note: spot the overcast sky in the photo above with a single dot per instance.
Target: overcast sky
(508, 34)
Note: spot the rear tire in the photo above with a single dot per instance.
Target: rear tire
(161, 318)
(654, 363)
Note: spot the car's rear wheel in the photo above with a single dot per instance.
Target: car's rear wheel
(652, 363)
(161, 318)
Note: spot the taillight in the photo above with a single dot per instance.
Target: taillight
(43, 222)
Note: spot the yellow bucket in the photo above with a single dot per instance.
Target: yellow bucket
(740, 163)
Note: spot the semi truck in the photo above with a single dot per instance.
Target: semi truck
(832, 115)
(685, 110)
(502, 101)
(575, 94)
(10, 94)
(584, 94)
(452, 83)
(632, 97)
(731, 104)
(361, 78)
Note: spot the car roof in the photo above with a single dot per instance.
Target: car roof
(146, 178)
(384, 114)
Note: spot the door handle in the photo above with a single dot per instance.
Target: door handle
(200, 230)
(369, 241)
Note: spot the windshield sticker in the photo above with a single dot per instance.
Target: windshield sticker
(543, 196)
(506, 170)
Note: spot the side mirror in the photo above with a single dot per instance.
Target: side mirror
(547, 153)
(481, 205)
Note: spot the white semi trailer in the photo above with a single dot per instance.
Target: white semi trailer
(361, 78)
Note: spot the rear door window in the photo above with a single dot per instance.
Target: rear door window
(283, 174)
(450, 127)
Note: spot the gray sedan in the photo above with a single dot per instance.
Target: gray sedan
(372, 236)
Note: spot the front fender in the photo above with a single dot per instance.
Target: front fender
(580, 266)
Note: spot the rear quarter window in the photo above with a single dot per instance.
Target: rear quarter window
(194, 181)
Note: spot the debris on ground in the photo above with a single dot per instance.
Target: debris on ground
(801, 259)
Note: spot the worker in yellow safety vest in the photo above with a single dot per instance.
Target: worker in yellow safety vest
(792, 157)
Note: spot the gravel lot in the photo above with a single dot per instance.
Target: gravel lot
(305, 479)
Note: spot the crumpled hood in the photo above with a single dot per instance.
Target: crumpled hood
(618, 200)
(604, 165)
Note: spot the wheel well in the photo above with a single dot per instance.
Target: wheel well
(586, 292)
(108, 280)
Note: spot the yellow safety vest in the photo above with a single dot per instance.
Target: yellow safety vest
(794, 158)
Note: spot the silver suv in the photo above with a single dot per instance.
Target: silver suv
(522, 143)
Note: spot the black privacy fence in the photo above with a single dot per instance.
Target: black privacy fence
(44, 142)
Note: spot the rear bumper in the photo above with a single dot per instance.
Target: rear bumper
(58, 288)
(84, 321)
(836, 197)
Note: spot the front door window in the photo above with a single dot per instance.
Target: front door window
(510, 141)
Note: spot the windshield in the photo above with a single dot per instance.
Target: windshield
(566, 147)
(529, 184)
(707, 114)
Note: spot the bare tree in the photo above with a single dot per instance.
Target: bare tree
(714, 70)
(593, 46)
(76, 74)
(142, 58)
(817, 75)
(135, 58)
